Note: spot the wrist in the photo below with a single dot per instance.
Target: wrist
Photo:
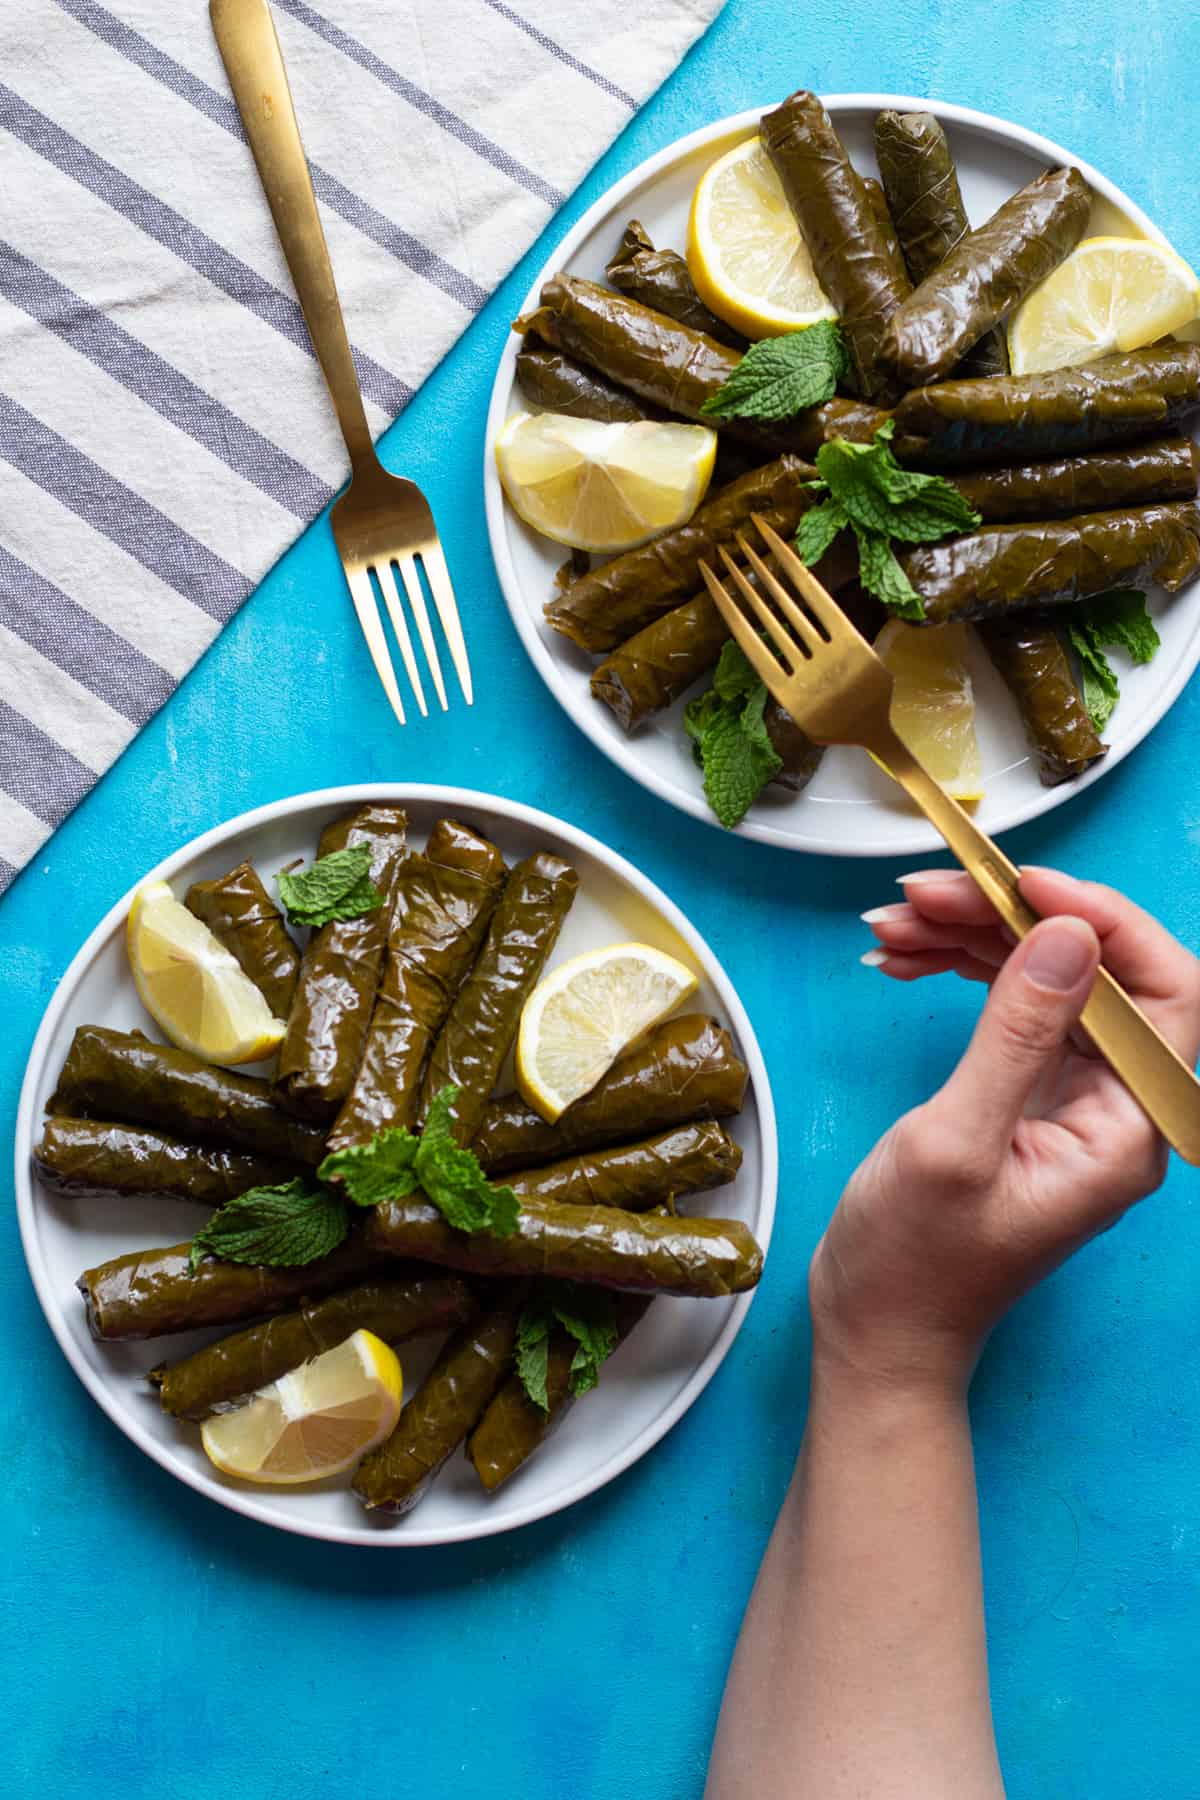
(863, 1378)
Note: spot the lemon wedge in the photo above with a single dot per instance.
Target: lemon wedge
(933, 701)
(1111, 293)
(316, 1421)
(586, 1012)
(603, 487)
(191, 986)
(745, 252)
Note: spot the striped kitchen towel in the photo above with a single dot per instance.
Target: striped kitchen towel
(164, 431)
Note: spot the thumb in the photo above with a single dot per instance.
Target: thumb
(1035, 1000)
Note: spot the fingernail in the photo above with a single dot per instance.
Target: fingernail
(1060, 955)
(878, 914)
(920, 875)
(874, 959)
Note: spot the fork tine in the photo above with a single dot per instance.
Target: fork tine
(756, 652)
(786, 648)
(447, 611)
(416, 599)
(391, 599)
(823, 605)
(804, 627)
(363, 596)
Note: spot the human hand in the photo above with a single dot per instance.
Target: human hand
(1033, 1145)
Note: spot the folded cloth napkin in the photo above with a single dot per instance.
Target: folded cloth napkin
(164, 430)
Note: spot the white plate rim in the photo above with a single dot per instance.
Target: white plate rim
(532, 818)
(623, 751)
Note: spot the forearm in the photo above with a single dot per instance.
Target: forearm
(861, 1670)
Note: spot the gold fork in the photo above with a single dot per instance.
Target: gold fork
(827, 676)
(381, 519)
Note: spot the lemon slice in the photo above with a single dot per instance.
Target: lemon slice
(191, 985)
(603, 487)
(579, 1019)
(748, 260)
(933, 701)
(1111, 293)
(316, 1421)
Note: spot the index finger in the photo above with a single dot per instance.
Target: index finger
(1154, 967)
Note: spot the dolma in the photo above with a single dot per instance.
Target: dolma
(662, 280)
(339, 975)
(1033, 662)
(607, 606)
(1017, 418)
(635, 1177)
(877, 200)
(920, 181)
(226, 1371)
(800, 757)
(150, 1293)
(442, 904)
(435, 1421)
(553, 381)
(86, 1156)
(651, 669)
(675, 368)
(1161, 469)
(701, 1258)
(238, 910)
(850, 254)
(124, 1076)
(985, 277)
(1002, 568)
(513, 1427)
(481, 1025)
(683, 1070)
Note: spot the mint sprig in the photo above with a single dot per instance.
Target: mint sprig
(274, 1227)
(587, 1314)
(396, 1163)
(782, 375)
(338, 886)
(730, 737)
(1117, 619)
(866, 489)
(302, 1220)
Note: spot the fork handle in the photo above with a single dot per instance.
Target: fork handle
(249, 46)
(1158, 1078)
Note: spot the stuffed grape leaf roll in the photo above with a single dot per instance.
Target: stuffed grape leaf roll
(682, 1070)
(238, 910)
(339, 975)
(441, 908)
(124, 1076)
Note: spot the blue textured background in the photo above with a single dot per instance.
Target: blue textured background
(157, 1646)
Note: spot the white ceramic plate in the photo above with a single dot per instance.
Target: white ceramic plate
(850, 808)
(650, 1382)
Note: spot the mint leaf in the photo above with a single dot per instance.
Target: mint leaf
(453, 1179)
(878, 495)
(338, 886)
(589, 1315)
(782, 375)
(734, 750)
(1116, 618)
(734, 677)
(882, 575)
(818, 528)
(280, 1227)
(1119, 617)
(381, 1170)
(533, 1350)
